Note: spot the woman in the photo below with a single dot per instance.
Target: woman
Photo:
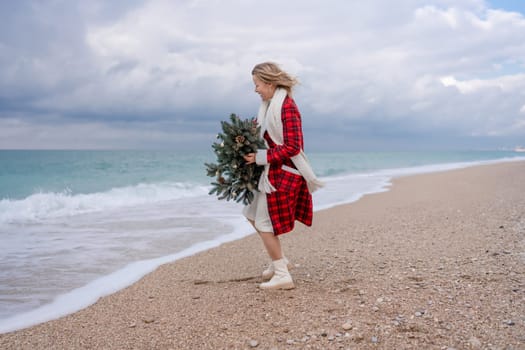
(287, 181)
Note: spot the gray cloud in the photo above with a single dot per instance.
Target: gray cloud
(157, 71)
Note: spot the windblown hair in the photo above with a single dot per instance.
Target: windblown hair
(271, 73)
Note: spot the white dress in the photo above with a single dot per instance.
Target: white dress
(257, 211)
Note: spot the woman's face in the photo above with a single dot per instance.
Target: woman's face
(266, 90)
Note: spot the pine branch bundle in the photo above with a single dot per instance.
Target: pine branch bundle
(234, 178)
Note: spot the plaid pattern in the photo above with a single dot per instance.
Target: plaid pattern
(291, 201)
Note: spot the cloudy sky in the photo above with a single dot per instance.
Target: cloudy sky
(375, 74)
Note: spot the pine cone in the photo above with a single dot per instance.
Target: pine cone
(240, 139)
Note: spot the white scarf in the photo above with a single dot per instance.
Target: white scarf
(269, 118)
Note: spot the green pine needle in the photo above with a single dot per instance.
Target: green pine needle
(235, 180)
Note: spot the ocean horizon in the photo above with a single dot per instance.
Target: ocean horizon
(79, 225)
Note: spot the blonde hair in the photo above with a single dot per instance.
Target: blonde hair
(271, 73)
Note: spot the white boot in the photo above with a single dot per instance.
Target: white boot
(268, 273)
(281, 278)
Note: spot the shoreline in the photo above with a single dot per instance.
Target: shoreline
(340, 280)
(86, 295)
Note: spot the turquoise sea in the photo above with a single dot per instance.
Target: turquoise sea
(77, 225)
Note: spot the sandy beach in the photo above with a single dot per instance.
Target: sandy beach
(437, 262)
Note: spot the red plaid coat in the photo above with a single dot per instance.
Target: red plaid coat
(292, 200)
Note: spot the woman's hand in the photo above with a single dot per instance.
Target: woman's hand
(249, 158)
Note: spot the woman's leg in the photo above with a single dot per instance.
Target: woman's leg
(277, 273)
(271, 243)
(280, 278)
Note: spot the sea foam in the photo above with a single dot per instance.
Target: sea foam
(88, 294)
(40, 206)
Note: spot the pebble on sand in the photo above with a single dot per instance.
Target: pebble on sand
(347, 326)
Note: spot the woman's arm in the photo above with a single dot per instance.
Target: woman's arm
(292, 137)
